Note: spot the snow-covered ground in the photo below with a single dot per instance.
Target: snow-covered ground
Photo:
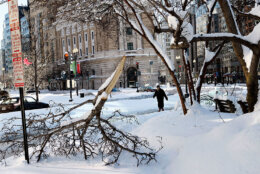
(201, 142)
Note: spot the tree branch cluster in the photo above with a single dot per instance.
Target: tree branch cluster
(58, 133)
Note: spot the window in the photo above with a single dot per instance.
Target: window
(130, 46)
(74, 40)
(86, 51)
(93, 49)
(63, 43)
(129, 31)
(69, 42)
(80, 52)
(29, 100)
(79, 39)
(92, 35)
(86, 37)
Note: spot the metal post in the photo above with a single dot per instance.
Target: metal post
(82, 80)
(77, 91)
(186, 83)
(76, 73)
(70, 80)
(4, 78)
(76, 77)
(25, 141)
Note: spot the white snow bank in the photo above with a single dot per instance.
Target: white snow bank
(200, 144)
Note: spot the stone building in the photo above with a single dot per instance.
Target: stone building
(100, 50)
(43, 39)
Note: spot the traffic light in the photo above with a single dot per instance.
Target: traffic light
(66, 56)
(137, 65)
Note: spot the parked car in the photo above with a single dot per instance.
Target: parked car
(147, 89)
(3, 95)
(14, 104)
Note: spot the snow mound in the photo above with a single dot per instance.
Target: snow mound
(192, 145)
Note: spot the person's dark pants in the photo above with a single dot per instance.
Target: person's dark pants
(161, 104)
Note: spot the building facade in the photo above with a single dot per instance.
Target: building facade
(6, 42)
(100, 50)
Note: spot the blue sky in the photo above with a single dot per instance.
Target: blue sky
(3, 11)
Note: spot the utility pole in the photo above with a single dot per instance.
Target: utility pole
(67, 58)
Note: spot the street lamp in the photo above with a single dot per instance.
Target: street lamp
(75, 52)
(67, 58)
(3, 69)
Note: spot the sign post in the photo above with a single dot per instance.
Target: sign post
(25, 141)
(18, 73)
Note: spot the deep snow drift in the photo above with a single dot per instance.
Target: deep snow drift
(201, 142)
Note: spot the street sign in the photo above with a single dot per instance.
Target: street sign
(18, 73)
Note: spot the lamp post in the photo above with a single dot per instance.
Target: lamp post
(75, 53)
(67, 58)
(3, 69)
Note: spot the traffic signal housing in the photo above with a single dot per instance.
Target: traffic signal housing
(66, 56)
(137, 65)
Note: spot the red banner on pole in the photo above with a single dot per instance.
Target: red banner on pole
(78, 67)
(18, 73)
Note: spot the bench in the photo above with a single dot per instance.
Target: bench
(244, 106)
(226, 106)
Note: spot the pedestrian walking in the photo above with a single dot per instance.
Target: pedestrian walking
(160, 94)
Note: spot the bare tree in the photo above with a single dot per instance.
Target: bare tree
(246, 48)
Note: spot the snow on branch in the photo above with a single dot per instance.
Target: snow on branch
(225, 36)
(233, 16)
(255, 11)
(254, 36)
(209, 55)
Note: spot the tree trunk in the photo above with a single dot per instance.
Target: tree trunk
(252, 83)
(36, 78)
(231, 24)
(251, 77)
(191, 82)
(186, 68)
(252, 92)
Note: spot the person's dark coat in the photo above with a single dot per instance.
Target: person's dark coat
(160, 94)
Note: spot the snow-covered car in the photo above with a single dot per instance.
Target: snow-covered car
(147, 89)
(14, 104)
